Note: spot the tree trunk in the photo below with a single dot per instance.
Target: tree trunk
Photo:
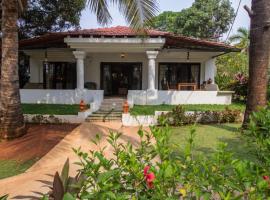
(259, 53)
(11, 117)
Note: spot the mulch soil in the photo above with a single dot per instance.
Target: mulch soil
(38, 141)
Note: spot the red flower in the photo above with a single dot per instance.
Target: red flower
(266, 178)
(149, 177)
(146, 169)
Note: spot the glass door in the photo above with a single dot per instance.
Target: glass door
(118, 78)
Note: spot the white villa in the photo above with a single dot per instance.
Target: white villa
(154, 68)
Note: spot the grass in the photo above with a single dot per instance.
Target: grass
(50, 109)
(209, 136)
(12, 167)
(150, 109)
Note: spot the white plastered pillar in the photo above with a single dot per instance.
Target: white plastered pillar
(80, 56)
(210, 69)
(151, 55)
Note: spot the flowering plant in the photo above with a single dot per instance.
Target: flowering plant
(154, 169)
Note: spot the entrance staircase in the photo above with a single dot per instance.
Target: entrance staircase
(110, 110)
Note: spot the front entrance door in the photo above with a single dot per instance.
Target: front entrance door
(118, 78)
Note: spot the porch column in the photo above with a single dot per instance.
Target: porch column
(80, 55)
(210, 69)
(152, 55)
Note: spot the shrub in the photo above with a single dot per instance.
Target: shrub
(179, 117)
(240, 86)
(225, 116)
(259, 133)
(152, 170)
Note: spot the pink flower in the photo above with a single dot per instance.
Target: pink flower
(266, 178)
(146, 169)
(149, 177)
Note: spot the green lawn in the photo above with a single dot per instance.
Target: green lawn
(150, 110)
(11, 167)
(209, 136)
(50, 109)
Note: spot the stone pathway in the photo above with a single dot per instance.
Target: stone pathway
(32, 183)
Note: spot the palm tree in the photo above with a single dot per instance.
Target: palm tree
(241, 39)
(259, 53)
(137, 13)
(11, 117)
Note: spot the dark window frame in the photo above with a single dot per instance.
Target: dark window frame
(175, 63)
(54, 74)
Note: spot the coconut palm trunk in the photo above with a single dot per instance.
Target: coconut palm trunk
(259, 52)
(11, 117)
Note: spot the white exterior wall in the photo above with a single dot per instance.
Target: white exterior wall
(93, 97)
(93, 60)
(139, 97)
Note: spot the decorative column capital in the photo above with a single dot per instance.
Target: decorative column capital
(152, 54)
(79, 54)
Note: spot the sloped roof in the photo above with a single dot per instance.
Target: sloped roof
(172, 41)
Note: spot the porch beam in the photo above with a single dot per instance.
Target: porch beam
(152, 55)
(80, 56)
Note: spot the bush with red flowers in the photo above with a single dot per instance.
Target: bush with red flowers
(153, 170)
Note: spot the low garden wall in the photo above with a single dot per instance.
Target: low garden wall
(95, 97)
(58, 119)
(157, 97)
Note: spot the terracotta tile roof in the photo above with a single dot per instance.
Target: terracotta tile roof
(172, 41)
(116, 31)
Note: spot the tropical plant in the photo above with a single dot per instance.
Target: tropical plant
(259, 56)
(136, 12)
(240, 87)
(228, 66)
(241, 39)
(259, 133)
(154, 169)
(204, 19)
(11, 117)
(5, 197)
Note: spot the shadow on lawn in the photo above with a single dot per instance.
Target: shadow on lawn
(227, 127)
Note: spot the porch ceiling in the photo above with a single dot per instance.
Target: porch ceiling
(99, 45)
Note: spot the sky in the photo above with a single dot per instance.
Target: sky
(88, 20)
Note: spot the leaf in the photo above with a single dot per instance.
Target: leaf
(58, 189)
(65, 175)
(68, 196)
(168, 171)
(45, 197)
(5, 197)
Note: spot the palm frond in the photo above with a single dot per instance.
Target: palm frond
(138, 13)
(101, 10)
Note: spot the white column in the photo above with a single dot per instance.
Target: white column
(210, 69)
(80, 55)
(152, 55)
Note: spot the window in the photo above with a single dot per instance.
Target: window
(171, 74)
(59, 75)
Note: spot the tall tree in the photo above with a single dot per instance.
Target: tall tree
(204, 19)
(11, 117)
(136, 12)
(43, 16)
(259, 53)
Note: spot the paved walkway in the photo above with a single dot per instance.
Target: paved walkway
(31, 184)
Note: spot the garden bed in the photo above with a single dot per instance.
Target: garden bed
(18, 155)
(150, 109)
